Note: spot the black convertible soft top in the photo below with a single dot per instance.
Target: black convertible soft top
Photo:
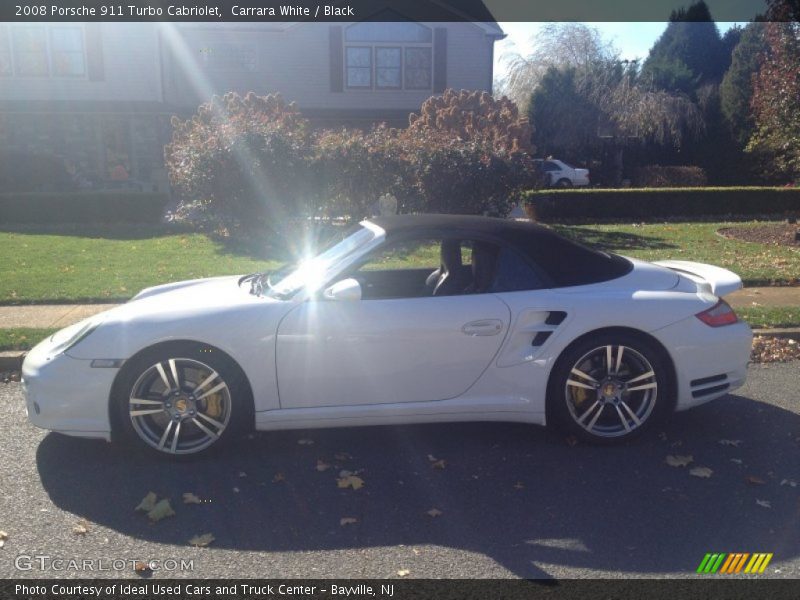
(566, 262)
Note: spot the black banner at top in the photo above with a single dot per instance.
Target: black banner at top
(357, 10)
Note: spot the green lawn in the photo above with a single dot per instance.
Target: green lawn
(75, 264)
(756, 264)
(108, 263)
(22, 338)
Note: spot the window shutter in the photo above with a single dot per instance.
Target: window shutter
(337, 60)
(94, 52)
(439, 60)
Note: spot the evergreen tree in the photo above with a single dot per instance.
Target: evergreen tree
(689, 54)
(736, 90)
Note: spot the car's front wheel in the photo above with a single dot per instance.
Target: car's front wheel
(181, 400)
(609, 388)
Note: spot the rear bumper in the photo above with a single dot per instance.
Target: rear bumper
(709, 362)
(66, 394)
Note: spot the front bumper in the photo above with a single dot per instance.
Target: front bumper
(709, 361)
(66, 394)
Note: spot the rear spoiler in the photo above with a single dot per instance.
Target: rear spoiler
(715, 280)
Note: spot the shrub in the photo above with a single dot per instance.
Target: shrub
(20, 172)
(661, 176)
(468, 153)
(244, 159)
(82, 207)
(355, 168)
(254, 159)
(660, 203)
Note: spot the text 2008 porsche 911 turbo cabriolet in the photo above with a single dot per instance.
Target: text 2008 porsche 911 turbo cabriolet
(408, 319)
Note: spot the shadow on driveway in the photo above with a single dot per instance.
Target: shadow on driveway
(515, 493)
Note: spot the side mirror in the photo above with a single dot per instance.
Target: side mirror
(346, 289)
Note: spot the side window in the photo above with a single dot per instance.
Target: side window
(550, 166)
(515, 274)
(410, 254)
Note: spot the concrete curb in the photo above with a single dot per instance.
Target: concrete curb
(12, 360)
(788, 333)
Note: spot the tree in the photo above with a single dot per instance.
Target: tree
(736, 90)
(776, 92)
(689, 54)
(560, 46)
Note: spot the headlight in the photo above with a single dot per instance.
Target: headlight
(69, 336)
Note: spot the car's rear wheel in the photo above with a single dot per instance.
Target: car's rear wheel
(563, 183)
(609, 388)
(181, 400)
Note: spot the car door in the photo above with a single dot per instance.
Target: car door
(387, 350)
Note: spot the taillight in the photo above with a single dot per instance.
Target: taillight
(718, 315)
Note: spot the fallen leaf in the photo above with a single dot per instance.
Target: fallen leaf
(738, 461)
(734, 443)
(519, 486)
(342, 456)
(305, 442)
(679, 460)
(3, 538)
(190, 498)
(161, 510)
(80, 528)
(141, 567)
(352, 481)
(201, 541)
(703, 472)
(242, 474)
(347, 521)
(764, 503)
(790, 482)
(439, 464)
(403, 572)
(148, 502)
(278, 478)
(571, 440)
(322, 465)
(432, 458)
(753, 480)
(434, 512)
(236, 490)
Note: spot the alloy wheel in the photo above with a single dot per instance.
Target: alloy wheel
(611, 391)
(179, 406)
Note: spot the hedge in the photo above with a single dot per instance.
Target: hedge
(659, 203)
(82, 207)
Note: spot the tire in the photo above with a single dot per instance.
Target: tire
(563, 183)
(210, 405)
(608, 403)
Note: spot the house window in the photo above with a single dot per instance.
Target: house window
(66, 51)
(389, 55)
(5, 52)
(359, 67)
(418, 68)
(38, 51)
(388, 65)
(30, 51)
(230, 57)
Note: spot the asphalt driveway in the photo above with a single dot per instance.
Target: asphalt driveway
(510, 500)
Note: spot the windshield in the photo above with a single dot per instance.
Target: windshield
(314, 272)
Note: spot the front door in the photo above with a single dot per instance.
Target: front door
(381, 351)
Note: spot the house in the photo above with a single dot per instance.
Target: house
(99, 96)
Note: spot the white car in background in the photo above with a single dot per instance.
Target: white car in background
(495, 320)
(562, 175)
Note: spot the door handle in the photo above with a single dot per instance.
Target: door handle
(483, 327)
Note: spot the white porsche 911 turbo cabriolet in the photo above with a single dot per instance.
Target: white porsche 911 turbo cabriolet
(408, 319)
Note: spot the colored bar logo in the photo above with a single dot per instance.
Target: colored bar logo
(736, 562)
